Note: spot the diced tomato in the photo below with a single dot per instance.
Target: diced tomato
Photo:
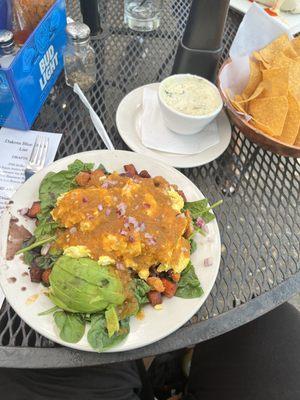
(154, 297)
(95, 177)
(144, 174)
(83, 178)
(175, 277)
(130, 170)
(170, 287)
(45, 276)
(34, 210)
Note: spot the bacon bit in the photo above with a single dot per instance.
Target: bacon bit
(73, 230)
(271, 12)
(34, 210)
(144, 174)
(154, 297)
(107, 212)
(146, 205)
(130, 169)
(85, 199)
(100, 207)
(181, 193)
(170, 287)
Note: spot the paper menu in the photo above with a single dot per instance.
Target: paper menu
(15, 150)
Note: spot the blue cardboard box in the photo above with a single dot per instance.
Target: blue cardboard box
(25, 85)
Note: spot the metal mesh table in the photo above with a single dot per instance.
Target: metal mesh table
(259, 219)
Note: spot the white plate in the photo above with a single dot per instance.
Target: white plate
(156, 324)
(128, 116)
(291, 20)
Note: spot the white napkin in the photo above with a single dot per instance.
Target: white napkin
(155, 135)
(256, 31)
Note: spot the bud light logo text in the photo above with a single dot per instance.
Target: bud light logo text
(47, 65)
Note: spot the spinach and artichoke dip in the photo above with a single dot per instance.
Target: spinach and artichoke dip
(190, 95)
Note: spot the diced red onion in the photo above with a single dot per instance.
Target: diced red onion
(23, 211)
(146, 205)
(126, 225)
(100, 207)
(121, 209)
(133, 221)
(105, 185)
(123, 232)
(107, 212)
(151, 242)
(85, 199)
(120, 266)
(200, 222)
(131, 239)
(45, 249)
(142, 227)
(148, 236)
(73, 230)
(208, 262)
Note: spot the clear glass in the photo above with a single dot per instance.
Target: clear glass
(79, 64)
(142, 15)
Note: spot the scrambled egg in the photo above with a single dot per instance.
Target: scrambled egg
(77, 251)
(176, 199)
(138, 223)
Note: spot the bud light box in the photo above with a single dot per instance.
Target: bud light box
(25, 85)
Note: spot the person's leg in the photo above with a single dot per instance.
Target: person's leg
(110, 382)
(260, 360)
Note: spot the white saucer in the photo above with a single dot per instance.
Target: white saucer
(128, 117)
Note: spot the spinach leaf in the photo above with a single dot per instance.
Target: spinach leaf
(193, 245)
(189, 285)
(98, 335)
(101, 166)
(141, 290)
(201, 209)
(71, 326)
(29, 257)
(78, 166)
(49, 311)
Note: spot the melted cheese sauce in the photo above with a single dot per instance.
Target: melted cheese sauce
(190, 95)
(132, 221)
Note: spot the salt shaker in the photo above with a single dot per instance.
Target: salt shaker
(79, 57)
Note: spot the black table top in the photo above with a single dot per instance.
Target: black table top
(259, 219)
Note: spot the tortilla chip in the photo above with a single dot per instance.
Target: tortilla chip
(269, 52)
(239, 107)
(297, 141)
(290, 52)
(254, 79)
(294, 80)
(281, 61)
(271, 112)
(257, 56)
(262, 127)
(258, 91)
(292, 122)
(276, 82)
(296, 44)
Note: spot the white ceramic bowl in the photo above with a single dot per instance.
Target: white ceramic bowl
(186, 124)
